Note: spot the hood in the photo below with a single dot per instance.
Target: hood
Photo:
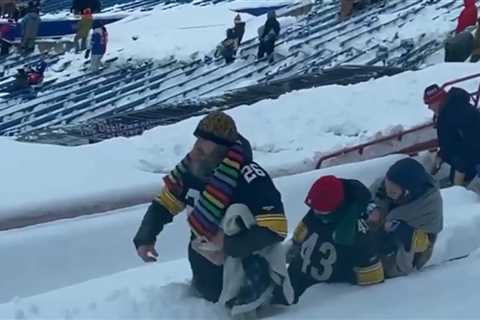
(469, 3)
(409, 174)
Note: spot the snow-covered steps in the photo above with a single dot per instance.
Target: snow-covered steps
(379, 35)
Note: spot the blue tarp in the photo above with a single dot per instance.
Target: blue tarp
(258, 11)
(62, 27)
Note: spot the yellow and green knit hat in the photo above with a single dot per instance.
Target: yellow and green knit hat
(217, 127)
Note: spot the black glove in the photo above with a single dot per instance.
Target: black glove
(399, 233)
(87, 53)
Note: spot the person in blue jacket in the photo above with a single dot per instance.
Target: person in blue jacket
(98, 47)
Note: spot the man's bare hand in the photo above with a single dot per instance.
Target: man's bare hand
(148, 253)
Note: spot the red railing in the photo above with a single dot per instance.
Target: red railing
(418, 147)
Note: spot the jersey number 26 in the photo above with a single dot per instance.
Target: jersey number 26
(252, 171)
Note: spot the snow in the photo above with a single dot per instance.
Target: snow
(171, 33)
(161, 290)
(106, 238)
(319, 121)
(86, 267)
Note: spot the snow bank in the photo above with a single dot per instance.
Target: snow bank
(319, 120)
(44, 177)
(161, 290)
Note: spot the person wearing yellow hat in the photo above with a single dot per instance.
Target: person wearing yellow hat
(84, 26)
(216, 177)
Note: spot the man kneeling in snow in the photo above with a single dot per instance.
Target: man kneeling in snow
(333, 242)
(410, 215)
(236, 217)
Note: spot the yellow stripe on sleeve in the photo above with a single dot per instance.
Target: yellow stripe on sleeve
(168, 200)
(300, 232)
(370, 275)
(275, 222)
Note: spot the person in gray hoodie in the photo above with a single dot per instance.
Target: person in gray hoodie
(408, 217)
(30, 25)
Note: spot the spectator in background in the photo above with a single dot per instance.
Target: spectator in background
(30, 25)
(98, 47)
(468, 16)
(35, 73)
(459, 47)
(79, 5)
(476, 44)
(105, 38)
(7, 36)
(84, 26)
(239, 28)
(268, 34)
(458, 130)
(228, 47)
(21, 80)
(7, 8)
(346, 9)
(34, 5)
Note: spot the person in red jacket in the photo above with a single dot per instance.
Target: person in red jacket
(468, 16)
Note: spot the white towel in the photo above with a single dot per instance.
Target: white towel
(233, 272)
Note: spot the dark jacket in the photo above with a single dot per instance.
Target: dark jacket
(458, 129)
(250, 185)
(348, 238)
(30, 25)
(271, 30)
(239, 29)
(230, 44)
(21, 79)
(98, 42)
(267, 209)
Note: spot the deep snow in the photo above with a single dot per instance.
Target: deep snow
(160, 290)
(91, 247)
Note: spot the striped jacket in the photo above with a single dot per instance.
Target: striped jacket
(254, 188)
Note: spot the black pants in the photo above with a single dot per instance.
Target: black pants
(229, 59)
(207, 277)
(475, 58)
(265, 47)
(5, 48)
(469, 171)
(300, 283)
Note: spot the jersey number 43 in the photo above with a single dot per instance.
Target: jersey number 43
(328, 257)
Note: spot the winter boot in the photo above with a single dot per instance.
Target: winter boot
(257, 272)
